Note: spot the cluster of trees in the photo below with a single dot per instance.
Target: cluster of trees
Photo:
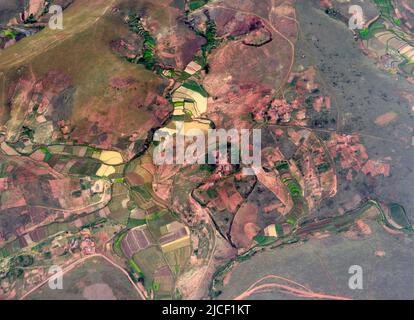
(212, 41)
(148, 56)
(17, 265)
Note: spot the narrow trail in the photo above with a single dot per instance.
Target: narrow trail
(299, 291)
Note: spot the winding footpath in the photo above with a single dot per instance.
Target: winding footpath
(299, 291)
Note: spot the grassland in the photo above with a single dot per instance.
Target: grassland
(322, 265)
(94, 279)
(88, 31)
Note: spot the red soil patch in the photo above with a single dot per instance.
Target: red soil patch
(134, 179)
(376, 167)
(363, 227)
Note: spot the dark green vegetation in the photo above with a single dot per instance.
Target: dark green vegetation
(369, 32)
(212, 42)
(385, 7)
(118, 241)
(323, 167)
(399, 215)
(30, 19)
(8, 33)
(17, 265)
(184, 117)
(148, 55)
(196, 4)
(282, 165)
(331, 12)
(294, 188)
(132, 223)
(193, 85)
(263, 240)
